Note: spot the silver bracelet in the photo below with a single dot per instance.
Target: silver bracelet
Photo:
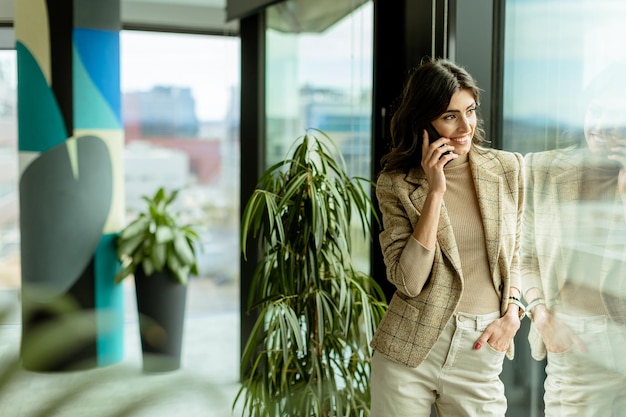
(522, 307)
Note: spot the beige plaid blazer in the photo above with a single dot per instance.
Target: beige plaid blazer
(412, 325)
(553, 191)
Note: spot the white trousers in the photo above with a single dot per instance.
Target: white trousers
(459, 380)
(590, 383)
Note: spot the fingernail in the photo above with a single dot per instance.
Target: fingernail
(477, 346)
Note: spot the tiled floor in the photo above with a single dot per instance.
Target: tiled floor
(205, 386)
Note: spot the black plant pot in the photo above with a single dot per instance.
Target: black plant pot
(161, 307)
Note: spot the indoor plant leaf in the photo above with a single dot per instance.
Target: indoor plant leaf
(154, 237)
(159, 255)
(136, 227)
(306, 355)
(127, 247)
(183, 250)
(164, 234)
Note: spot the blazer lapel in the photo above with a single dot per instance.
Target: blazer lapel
(566, 185)
(445, 236)
(490, 192)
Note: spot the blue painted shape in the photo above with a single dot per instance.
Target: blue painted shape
(99, 53)
(109, 303)
(91, 111)
(40, 125)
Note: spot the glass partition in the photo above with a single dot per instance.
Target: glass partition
(564, 102)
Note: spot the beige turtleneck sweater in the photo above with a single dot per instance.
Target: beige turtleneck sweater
(598, 213)
(479, 293)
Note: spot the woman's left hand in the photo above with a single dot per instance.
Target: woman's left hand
(499, 334)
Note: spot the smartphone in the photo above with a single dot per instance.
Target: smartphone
(433, 135)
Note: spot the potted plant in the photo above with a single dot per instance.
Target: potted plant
(160, 252)
(308, 353)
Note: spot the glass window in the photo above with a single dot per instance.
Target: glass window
(181, 118)
(564, 102)
(319, 75)
(554, 48)
(10, 271)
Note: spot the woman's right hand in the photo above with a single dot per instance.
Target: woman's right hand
(433, 161)
(426, 228)
(556, 335)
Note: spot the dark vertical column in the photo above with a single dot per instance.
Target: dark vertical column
(402, 37)
(60, 19)
(389, 73)
(252, 140)
(70, 144)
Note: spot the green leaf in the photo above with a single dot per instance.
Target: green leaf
(137, 226)
(319, 309)
(155, 240)
(128, 247)
(182, 274)
(159, 256)
(125, 272)
(172, 197)
(164, 234)
(190, 233)
(307, 338)
(159, 196)
(147, 266)
(173, 262)
(183, 250)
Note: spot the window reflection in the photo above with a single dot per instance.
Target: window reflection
(554, 48)
(564, 104)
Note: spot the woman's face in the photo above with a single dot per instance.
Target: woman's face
(458, 122)
(605, 126)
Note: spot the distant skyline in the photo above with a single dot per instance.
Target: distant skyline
(209, 65)
(341, 57)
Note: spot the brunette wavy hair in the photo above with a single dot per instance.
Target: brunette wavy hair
(426, 96)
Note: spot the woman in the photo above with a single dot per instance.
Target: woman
(451, 228)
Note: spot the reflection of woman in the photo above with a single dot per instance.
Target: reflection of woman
(573, 261)
(450, 243)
